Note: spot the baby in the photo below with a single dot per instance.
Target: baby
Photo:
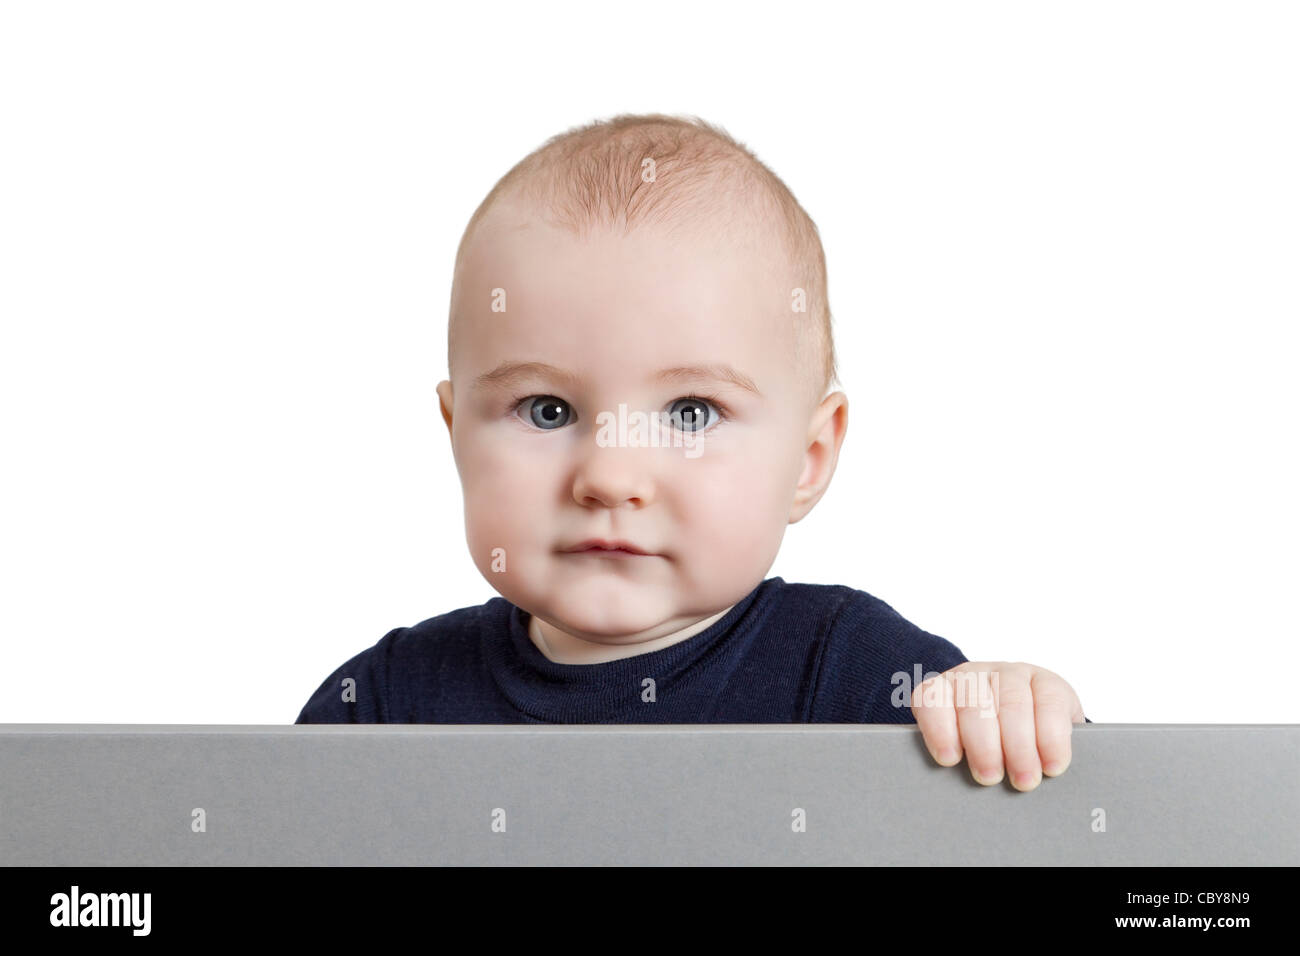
(639, 402)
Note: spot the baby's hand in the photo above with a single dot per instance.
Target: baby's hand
(992, 707)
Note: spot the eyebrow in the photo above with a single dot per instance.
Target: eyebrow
(509, 373)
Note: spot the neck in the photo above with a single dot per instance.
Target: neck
(560, 647)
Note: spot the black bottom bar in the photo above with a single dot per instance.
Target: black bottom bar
(236, 904)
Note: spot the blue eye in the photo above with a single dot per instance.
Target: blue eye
(547, 411)
(692, 414)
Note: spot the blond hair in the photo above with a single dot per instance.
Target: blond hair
(592, 175)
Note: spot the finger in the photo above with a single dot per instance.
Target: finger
(1054, 705)
(1013, 698)
(937, 720)
(977, 723)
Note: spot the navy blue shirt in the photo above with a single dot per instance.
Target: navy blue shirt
(785, 653)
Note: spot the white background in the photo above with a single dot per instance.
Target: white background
(1062, 244)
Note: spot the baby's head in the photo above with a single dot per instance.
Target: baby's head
(652, 263)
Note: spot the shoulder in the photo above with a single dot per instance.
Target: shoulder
(790, 606)
(868, 652)
(446, 635)
(861, 621)
(369, 688)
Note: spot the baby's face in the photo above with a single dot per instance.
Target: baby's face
(583, 326)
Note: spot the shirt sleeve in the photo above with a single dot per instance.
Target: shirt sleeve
(357, 691)
(872, 660)
(922, 655)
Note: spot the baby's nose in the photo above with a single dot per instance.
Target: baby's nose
(615, 477)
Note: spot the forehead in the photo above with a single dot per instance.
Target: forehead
(614, 303)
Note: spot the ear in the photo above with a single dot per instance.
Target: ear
(825, 435)
(444, 403)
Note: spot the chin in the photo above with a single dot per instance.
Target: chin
(581, 622)
(589, 613)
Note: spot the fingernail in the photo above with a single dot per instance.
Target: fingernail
(947, 755)
(1052, 769)
(1026, 781)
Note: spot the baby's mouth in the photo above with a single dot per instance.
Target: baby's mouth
(605, 548)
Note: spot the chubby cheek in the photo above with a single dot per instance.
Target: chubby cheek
(508, 504)
(732, 523)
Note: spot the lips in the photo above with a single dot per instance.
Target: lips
(606, 545)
